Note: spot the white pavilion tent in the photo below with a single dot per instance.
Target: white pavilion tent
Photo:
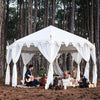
(50, 41)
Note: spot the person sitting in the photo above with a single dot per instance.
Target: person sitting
(75, 82)
(71, 79)
(55, 81)
(66, 76)
(84, 82)
(69, 75)
(29, 78)
(74, 72)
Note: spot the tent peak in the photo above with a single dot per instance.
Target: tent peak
(51, 26)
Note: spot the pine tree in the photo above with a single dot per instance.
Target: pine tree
(1, 15)
(97, 37)
(35, 15)
(53, 12)
(72, 31)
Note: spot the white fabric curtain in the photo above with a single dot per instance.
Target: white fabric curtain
(16, 51)
(57, 68)
(93, 55)
(85, 53)
(49, 51)
(77, 58)
(86, 73)
(8, 59)
(26, 57)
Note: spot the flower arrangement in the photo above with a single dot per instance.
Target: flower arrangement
(56, 87)
(42, 72)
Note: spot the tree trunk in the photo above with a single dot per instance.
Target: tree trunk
(91, 24)
(99, 29)
(63, 55)
(88, 29)
(50, 11)
(1, 15)
(97, 37)
(64, 15)
(45, 25)
(30, 16)
(53, 16)
(91, 34)
(64, 61)
(3, 39)
(72, 31)
(22, 19)
(19, 20)
(35, 16)
(72, 16)
(5, 36)
(26, 15)
(18, 25)
(46, 14)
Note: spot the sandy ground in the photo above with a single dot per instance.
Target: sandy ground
(38, 93)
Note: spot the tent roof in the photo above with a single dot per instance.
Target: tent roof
(59, 36)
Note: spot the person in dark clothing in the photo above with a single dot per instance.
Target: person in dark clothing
(29, 78)
(84, 83)
(55, 82)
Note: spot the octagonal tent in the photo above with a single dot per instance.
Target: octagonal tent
(50, 41)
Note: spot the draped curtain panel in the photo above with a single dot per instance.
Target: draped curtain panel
(85, 53)
(93, 55)
(77, 58)
(8, 60)
(16, 51)
(26, 57)
(57, 68)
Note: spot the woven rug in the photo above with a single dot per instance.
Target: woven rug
(21, 86)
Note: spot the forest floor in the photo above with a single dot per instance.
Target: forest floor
(39, 93)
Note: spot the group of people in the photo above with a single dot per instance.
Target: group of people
(83, 83)
(66, 76)
(31, 81)
(71, 80)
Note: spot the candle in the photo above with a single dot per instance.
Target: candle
(65, 87)
(46, 86)
(70, 83)
(94, 84)
(89, 85)
(77, 84)
(73, 85)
